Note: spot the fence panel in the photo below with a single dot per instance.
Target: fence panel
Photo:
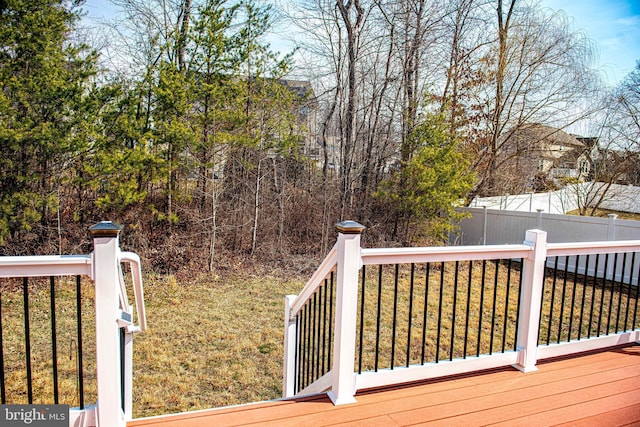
(496, 227)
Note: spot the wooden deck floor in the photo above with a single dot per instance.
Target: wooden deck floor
(595, 389)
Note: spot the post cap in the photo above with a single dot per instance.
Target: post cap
(105, 229)
(349, 227)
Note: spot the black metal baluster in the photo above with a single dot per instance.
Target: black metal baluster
(312, 342)
(331, 326)
(314, 337)
(506, 307)
(553, 298)
(318, 363)
(544, 286)
(635, 309)
(378, 319)
(309, 351)
(301, 351)
(122, 368)
(316, 332)
(613, 288)
(563, 296)
(493, 309)
(424, 314)
(453, 311)
(54, 341)
(626, 314)
(361, 333)
(80, 348)
(629, 287)
(395, 316)
(297, 370)
(324, 330)
(466, 320)
(593, 291)
(304, 361)
(27, 339)
(604, 286)
(481, 308)
(440, 313)
(573, 297)
(303, 325)
(515, 341)
(413, 267)
(309, 343)
(3, 391)
(624, 265)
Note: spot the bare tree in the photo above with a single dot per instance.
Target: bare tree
(616, 160)
(540, 74)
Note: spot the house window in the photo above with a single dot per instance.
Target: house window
(584, 167)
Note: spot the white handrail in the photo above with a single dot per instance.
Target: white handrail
(45, 265)
(442, 253)
(136, 274)
(327, 265)
(584, 248)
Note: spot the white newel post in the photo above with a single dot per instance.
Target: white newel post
(289, 374)
(531, 299)
(105, 275)
(349, 263)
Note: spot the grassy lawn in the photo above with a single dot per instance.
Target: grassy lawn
(211, 342)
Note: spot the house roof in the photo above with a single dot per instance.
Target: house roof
(545, 135)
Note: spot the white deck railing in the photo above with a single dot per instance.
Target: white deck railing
(347, 258)
(113, 314)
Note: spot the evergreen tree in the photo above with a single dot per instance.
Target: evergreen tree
(120, 166)
(44, 94)
(425, 190)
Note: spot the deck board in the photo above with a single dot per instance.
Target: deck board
(599, 388)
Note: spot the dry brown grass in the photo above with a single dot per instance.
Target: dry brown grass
(211, 342)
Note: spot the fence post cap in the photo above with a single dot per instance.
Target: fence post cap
(349, 227)
(105, 229)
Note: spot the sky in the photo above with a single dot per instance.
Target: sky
(613, 24)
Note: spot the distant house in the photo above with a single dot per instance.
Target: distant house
(573, 160)
(307, 115)
(536, 157)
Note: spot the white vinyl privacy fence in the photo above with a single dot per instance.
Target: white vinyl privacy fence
(497, 227)
(622, 198)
